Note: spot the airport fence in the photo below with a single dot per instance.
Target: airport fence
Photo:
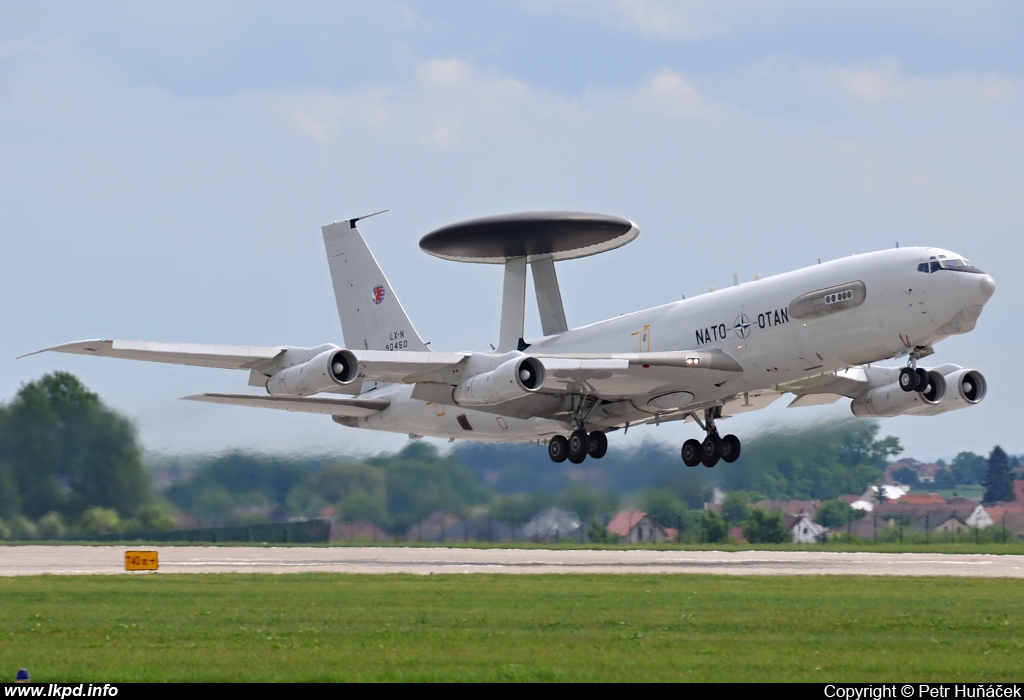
(303, 532)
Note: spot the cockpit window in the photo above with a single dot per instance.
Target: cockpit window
(944, 263)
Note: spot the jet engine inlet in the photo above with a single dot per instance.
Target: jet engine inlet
(327, 370)
(511, 380)
(890, 400)
(969, 386)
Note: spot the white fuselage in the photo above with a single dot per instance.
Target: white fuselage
(900, 307)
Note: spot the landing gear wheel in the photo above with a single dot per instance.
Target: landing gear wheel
(711, 450)
(730, 448)
(908, 379)
(598, 444)
(578, 446)
(558, 448)
(691, 453)
(922, 379)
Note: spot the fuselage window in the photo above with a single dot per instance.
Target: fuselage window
(838, 297)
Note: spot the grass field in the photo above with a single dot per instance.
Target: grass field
(326, 627)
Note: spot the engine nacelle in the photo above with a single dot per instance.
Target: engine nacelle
(327, 370)
(511, 380)
(890, 400)
(966, 388)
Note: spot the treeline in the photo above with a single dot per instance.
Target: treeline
(68, 463)
(512, 483)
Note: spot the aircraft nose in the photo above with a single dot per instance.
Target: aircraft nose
(988, 286)
(975, 290)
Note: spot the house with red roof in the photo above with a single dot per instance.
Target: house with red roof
(921, 499)
(638, 527)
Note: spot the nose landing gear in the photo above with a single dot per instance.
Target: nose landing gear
(912, 377)
(714, 447)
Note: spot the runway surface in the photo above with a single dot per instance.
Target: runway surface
(79, 560)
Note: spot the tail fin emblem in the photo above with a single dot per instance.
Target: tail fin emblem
(378, 294)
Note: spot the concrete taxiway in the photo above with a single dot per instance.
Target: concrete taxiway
(79, 560)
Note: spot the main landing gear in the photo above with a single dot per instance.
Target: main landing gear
(713, 448)
(578, 446)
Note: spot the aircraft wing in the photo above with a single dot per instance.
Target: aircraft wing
(376, 365)
(407, 366)
(828, 388)
(195, 354)
(355, 408)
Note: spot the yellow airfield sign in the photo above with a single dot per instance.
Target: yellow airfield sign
(140, 561)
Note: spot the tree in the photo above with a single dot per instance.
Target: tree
(906, 475)
(665, 507)
(811, 462)
(339, 480)
(998, 480)
(713, 527)
(420, 482)
(65, 452)
(968, 468)
(101, 521)
(834, 513)
(734, 507)
(764, 527)
(583, 501)
(944, 479)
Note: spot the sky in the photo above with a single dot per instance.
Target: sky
(165, 171)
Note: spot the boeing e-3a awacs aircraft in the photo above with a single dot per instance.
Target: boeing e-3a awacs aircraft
(814, 333)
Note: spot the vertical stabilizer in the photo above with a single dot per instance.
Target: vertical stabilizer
(371, 316)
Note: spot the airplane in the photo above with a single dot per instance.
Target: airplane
(815, 333)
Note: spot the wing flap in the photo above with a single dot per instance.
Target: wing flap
(195, 354)
(689, 359)
(750, 401)
(813, 400)
(409, 366)
(851, 383)
(354, 408)
(627, 375)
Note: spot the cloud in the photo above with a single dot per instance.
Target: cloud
(669, 90)
(885, 82)
(446, 106)
(669, 19)
(195, 218)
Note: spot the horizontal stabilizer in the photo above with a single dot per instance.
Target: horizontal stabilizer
(194, 354)
(355, 408)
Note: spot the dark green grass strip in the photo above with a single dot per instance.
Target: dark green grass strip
(324, 627)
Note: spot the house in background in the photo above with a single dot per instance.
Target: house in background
(553, 525)
(803, 529)
(637, 527)
(925, 472)
(941, 522)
